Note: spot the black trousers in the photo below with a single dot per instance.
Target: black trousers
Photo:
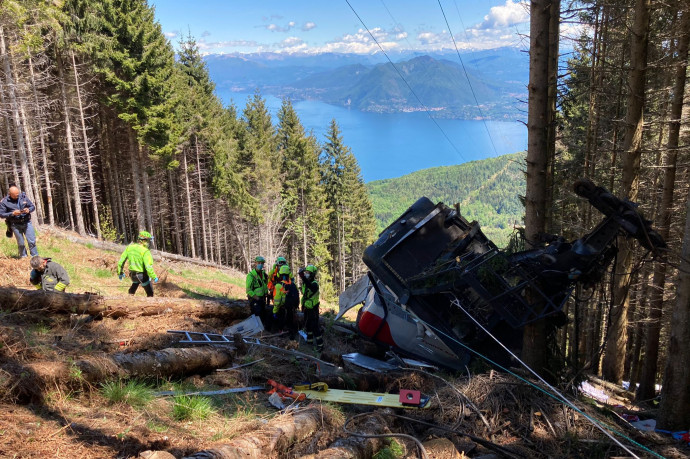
(311, 319)
(258, 308)
(143, 279)
(286, 319)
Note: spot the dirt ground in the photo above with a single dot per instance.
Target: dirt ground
(49, 413)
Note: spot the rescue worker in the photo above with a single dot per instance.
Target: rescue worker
(140, 264)
(310, 306)
(274, 275)
(16, 209)
(48, 275)
(257, 289)
(285, 302)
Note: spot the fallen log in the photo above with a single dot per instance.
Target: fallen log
(30, 381)
(356, 447)
(163, 363)
(14, 299)
(275, 437)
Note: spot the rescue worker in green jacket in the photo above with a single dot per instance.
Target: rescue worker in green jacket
(140, 264)
(48, 275)
(257, 290)
(310, 306)
(285, 303)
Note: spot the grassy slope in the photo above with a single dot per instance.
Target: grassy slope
(488, 191)
(94, 270)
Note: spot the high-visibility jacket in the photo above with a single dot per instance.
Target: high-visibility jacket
(140, 259)
(286, 295)
(310, 294)
(52, 278)
(274, 278)
(256, 283)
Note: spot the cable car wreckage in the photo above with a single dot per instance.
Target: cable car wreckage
(434, 278)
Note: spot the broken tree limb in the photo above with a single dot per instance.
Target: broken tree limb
(616, 389)
(275, 437)
(14, 299)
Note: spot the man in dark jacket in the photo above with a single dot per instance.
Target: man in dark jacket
(16, 208)
(48, 275)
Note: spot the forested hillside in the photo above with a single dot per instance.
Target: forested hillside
(110, 132)
(488, 191)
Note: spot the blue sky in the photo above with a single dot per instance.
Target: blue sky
(313, 26)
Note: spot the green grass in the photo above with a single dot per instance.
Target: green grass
(192, 408)
(154, 426)
(103, 273)
(133, 393)
(393, 451)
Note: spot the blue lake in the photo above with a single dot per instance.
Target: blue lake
(394, 144)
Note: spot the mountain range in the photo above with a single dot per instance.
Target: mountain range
(485, 84)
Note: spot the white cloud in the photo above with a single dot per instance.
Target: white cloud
(508, 15)
(290, 42)
(308, 26)
(431, 38)
(209, 47)
(205, 33)
(276, 28)
(172, 34)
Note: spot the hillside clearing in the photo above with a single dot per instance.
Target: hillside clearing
(51, 407)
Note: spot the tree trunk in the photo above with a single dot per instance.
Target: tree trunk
(38, 199)
(534, 336)
(271, 439)
(190, 222)
(10, 144)
(648, 380)
(201, 200)
(14, 299)
(674, 410)
(177, 232)
(136, 181)
(44, 152)
(145, 191)
(18, 125)
(632, 150)
(79, 219)
(92, 184)
(31, 381)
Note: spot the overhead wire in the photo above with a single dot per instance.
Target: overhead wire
(552, 392)
(402, 77)
(504, 138)
(474, 95)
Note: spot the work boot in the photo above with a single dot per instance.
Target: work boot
(8, 233)
(319, 343)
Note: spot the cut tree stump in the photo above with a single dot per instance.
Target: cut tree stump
(14, 299)
(275, 437)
